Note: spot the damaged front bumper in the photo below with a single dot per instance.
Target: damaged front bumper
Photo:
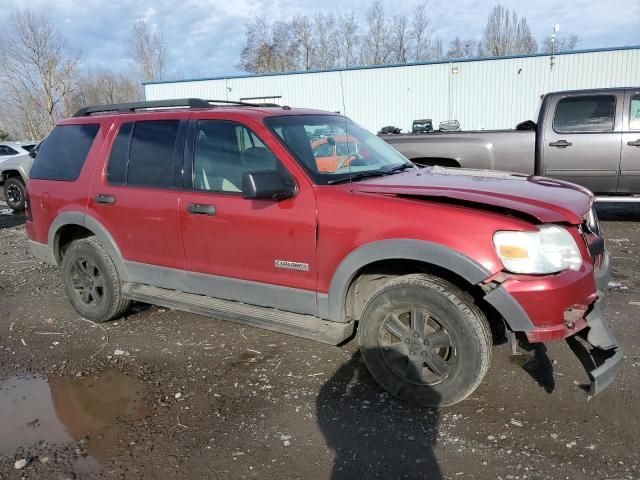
(597, 349)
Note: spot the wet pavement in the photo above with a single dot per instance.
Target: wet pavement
(166, 394)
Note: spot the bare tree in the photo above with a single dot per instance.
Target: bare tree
(419, 34)
(506, 34)
(398, 39)
(347, 33)
(36, 72)
(562, 44)
(463, 48)
(436, 52)
(148, 51)
(100, 87)
(325, 42)
(270, 48)
(303, 31)
(375, 50)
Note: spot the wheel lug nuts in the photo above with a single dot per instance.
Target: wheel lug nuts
(415, 334)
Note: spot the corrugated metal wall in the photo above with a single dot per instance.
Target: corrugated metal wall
(481, 94)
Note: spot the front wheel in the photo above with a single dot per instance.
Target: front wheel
(14, 193)
(424, 340)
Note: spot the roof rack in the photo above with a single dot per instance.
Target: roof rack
(182, 102)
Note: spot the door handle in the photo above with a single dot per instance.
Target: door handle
(201, 209)
(635, 143)
(105, 199)
(560, 144)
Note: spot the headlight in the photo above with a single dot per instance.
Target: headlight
(551, 249)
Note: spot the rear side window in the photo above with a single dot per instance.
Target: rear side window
(143, 153)
(589, 113)
(6, 150)
(62, 155)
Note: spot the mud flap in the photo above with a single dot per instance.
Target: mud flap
(601, 355)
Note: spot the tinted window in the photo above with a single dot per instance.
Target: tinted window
(62, 154)
(223, 152)
(6, 150)
(151, 153)
(634, 112)
(119, 159)
(590, 113)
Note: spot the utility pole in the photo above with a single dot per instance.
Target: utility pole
(556, 29)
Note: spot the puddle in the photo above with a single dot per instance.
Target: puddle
(60, 410)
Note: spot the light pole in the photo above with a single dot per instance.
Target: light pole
(556, 29)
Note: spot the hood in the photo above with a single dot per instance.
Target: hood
(546, 199)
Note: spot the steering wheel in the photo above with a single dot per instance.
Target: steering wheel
(350, 158)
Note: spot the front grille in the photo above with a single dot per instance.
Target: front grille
(593, 237)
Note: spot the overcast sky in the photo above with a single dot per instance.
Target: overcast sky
(205, 36)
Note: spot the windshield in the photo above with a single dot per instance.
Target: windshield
(331, 147)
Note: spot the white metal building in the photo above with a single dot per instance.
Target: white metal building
(486, 93)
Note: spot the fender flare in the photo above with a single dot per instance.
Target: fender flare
(90, 223)
(331, 306)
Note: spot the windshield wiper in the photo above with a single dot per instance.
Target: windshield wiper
(398, 168)
(358, 176)
(373, 173)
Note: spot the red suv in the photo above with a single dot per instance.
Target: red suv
(221, 209)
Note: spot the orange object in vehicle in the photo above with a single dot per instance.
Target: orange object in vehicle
(330, 156)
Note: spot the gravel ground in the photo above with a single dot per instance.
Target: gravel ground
(166, 394)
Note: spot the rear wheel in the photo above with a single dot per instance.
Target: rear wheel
(14, 193)
(424, 340)
(92, 282)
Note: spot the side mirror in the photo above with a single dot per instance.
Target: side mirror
(33, 152)
(267, 185)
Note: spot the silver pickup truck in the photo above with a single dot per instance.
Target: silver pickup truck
(588, 137)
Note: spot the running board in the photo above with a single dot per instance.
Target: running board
(306, 326)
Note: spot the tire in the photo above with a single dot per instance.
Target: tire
(424, 340)
(14, 193)
(91, 281)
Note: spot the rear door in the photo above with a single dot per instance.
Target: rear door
(136, 199)
(630, 157)
(582, 139)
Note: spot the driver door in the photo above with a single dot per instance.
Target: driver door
(260, 252)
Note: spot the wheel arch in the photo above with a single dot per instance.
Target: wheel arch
(70, 226)
(333, 305)
(12, 172)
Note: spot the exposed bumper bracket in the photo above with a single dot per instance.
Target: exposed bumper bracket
(602, 360)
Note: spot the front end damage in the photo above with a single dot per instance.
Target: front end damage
(565, 306)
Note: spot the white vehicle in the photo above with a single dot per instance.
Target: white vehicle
(15, 164)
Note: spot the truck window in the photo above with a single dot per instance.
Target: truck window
(588, 113)
(634, 113)
(62, 155)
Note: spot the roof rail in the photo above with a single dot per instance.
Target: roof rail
(182, 102)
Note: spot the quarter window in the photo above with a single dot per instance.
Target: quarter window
(6, 150)
(223, 152)
(62, 155)
(589, 113)
(634, 113)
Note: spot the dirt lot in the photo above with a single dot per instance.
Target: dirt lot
(165, 394)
